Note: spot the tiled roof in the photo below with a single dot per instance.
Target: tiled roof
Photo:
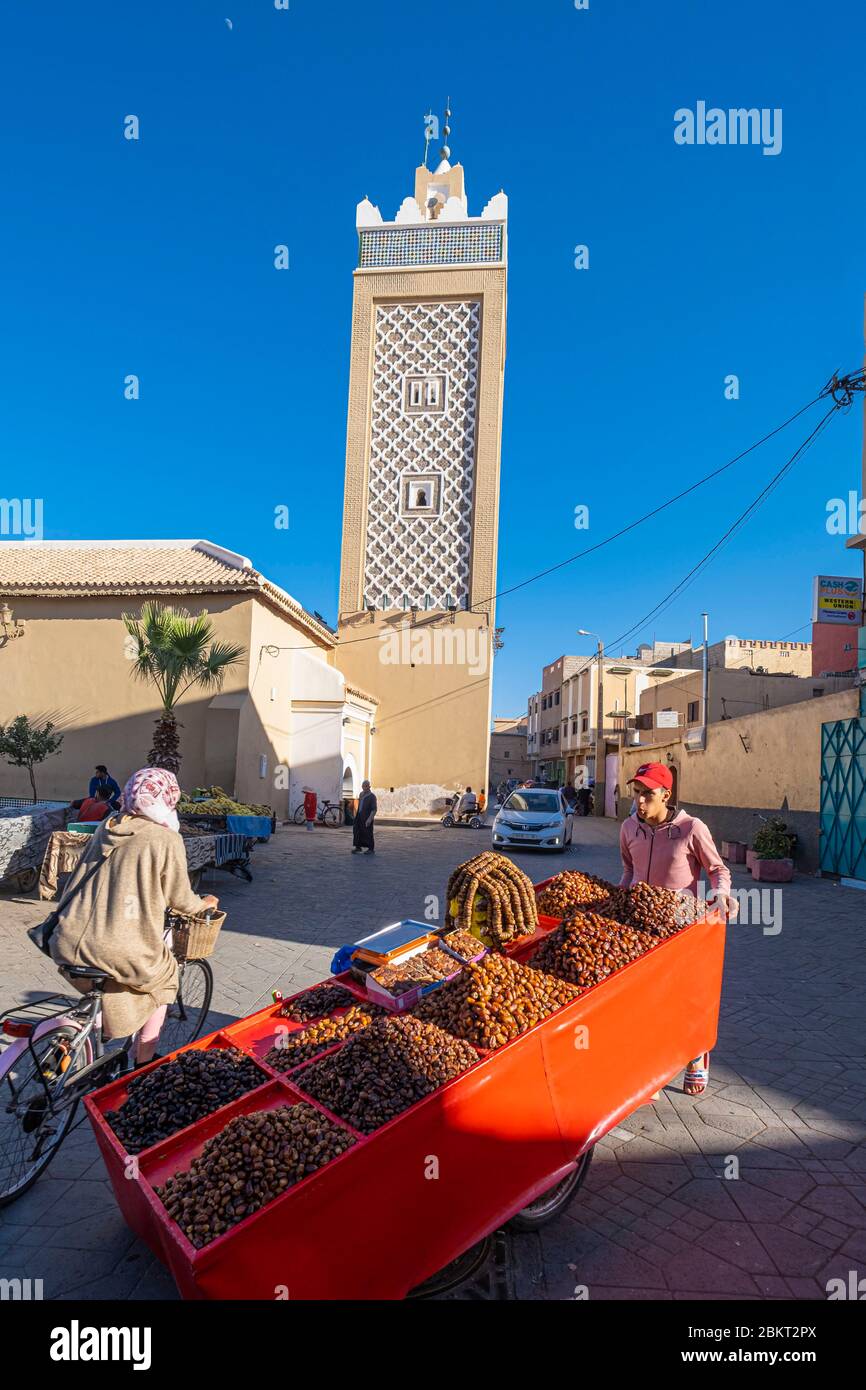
(89, 569)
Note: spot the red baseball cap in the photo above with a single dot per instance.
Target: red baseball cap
(654, 775)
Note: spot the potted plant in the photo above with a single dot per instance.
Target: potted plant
(772, 860)
(734, 851)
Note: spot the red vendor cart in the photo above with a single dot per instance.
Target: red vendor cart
(405, 1201)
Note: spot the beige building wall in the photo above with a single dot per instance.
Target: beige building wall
(265, 724)
(733, 693)
(738, 653)
(508, 752)
(433, 721)
(72, 663)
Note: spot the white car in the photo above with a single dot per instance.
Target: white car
(536, 816)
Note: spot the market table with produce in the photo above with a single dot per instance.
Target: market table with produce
(354, 1140)
(203, 849)
(214, 809)
(25, 829)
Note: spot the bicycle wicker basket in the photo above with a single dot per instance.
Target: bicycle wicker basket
(194, 938)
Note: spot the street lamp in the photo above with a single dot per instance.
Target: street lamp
(599, 732)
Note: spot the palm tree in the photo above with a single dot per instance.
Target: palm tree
(175, 651)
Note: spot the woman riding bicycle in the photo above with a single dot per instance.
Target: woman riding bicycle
(116, 922)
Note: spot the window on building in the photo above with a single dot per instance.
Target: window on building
(574, 726)
(556, 735)
(420, 494)
(556, 698)
(584, 725)
(693, 715)
(424, 395)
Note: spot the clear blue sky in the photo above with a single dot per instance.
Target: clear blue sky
(156, 258)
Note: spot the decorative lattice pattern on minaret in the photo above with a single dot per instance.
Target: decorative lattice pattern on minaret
(426, 558)
(478, 243)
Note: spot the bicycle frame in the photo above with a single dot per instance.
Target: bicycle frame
(81, 1017)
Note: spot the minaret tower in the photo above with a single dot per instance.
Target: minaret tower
(422, 476)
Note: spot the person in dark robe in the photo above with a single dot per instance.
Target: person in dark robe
(362, 827)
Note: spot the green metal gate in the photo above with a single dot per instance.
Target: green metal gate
(843, 797)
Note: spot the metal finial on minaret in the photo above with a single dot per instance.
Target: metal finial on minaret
(445, 152)
(428, 134)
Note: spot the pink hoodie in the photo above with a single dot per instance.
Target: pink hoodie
(671, 855)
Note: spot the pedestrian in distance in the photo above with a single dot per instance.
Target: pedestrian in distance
(310, 804)
(362, 827)
(669, 848)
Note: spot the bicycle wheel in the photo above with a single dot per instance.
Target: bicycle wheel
(32, 1124)
(299, 817)
(186, 1017)
(333, 816)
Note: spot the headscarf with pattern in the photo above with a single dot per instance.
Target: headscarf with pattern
(152, 793)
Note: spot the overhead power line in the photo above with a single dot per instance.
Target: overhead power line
(842, 390)
(730, 532)
(732, 529)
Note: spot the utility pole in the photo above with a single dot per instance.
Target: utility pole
(598, 792)
(705, 685)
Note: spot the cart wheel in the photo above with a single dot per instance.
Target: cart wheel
(448, 821)
(551, 1203)
(475, 823)
(466, 1266)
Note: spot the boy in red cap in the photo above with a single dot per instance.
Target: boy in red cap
(669, 848)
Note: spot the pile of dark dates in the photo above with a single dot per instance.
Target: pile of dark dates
(587, 948)
(380, 1072)
(572, 889)
(251, 1161)
(291, 1049)
(178, 1093)
(316, 1002)
(661, 911)
(494, 1000)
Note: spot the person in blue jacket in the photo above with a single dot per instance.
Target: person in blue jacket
(104, 779)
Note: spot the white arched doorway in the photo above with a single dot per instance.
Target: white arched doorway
(351, 780)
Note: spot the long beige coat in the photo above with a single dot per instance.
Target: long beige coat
(116, 922)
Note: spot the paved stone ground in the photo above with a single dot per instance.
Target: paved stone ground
(656, 1218)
